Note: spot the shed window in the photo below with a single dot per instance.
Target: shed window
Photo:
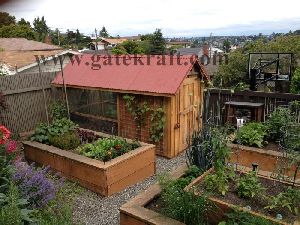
(97, 103)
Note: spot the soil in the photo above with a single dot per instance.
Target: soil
(257, 203)
(156, 205)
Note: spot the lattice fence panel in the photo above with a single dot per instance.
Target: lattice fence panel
(25, 100)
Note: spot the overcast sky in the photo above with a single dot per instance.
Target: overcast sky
(174, 17)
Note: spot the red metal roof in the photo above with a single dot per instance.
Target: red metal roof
(129, 73)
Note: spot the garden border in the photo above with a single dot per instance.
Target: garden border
(105, 178)
(134, 211)
(225, 207)
(267, 160)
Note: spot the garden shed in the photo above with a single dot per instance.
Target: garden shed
(155, 99)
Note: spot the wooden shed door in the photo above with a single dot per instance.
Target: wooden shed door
(189, 102)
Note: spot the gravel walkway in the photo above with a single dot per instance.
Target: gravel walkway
(93, 209)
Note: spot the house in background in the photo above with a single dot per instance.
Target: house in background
(185, 44)
(19, 55)
(112, 42)
(105, 43)
(211, 52)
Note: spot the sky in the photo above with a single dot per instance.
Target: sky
(176, 18)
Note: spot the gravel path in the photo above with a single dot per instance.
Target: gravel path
(93, 209)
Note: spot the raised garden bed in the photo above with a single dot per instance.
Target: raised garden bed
(135, 211)
(267, 159)
(231, 201)
(105, 178)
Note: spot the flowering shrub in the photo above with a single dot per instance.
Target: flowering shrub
(4, 135)
(34, 184)
(11, 147)
(7, 150)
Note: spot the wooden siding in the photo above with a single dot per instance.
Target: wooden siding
(184, 114)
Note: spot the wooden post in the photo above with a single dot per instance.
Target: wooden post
(64, 84)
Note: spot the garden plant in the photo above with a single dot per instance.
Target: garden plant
(28, 194)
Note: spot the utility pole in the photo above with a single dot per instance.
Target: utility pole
(210, 43)
(58, 37)
(96, 47)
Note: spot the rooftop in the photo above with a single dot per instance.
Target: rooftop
(162, 75)
(22, 44)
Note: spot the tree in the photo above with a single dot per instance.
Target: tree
(128, 47)
(6, 19)
(119, 50)
(19, 31)
(236, 69)
(22, 21)
(295, 84)
(226, 46)
(157, 42)
(41, 28)
(103, 33)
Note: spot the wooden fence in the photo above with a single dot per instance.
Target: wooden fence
(214, 101)
(24, 96)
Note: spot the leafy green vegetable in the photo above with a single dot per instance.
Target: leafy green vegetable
(252, 134)
(277, 120)
(106, 149)
(289, 199)
(248, 185)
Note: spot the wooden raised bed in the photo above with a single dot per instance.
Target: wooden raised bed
(224, 207)
(267, 160)
(104, 178)
(135, 213)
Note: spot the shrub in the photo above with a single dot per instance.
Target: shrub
(252, 134)
(248, 185)
(295, 83)
(34, 184)
(278, 119)
(7, 157)
(65, 141)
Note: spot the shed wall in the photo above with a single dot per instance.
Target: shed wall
(182, 117)
(128, 128)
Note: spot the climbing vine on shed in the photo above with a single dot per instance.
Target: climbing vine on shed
(139, 110)
(158, 119)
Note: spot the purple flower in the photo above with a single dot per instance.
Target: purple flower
(34, 184)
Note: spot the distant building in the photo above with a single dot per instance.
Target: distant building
(106, 43)
(19, 55)
(185, 44)
(203, 54)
